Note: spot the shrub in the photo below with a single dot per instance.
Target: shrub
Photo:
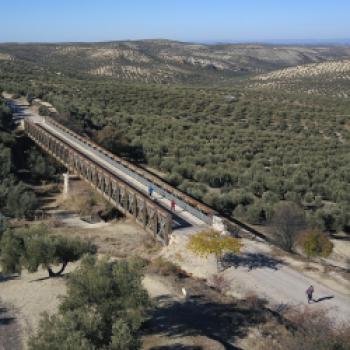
(310, 330)
(43, 111)
(219, 283)
(315, 243)
(21, 201)
(3, 224)
(254, 302)
(255, 214)
(165, 267)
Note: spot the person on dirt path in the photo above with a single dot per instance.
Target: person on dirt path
(150, 190)
(309, 293)
(172, 205)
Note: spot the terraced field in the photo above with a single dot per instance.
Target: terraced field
(327, 78)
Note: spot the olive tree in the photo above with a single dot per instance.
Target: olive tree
(33, 247)
(104, 308)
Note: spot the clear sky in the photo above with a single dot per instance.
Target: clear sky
(186, 20)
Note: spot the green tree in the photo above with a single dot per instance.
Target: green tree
(33, 247)
(43, 111)
(3, 224)
(5, 118)
(104, 308)
(255, 214)
(40, 168)
(21, 201)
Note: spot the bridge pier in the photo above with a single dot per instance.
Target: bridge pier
(218, 224)
(66, 184)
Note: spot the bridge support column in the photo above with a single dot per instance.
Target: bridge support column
(65, 184)
(219, 225)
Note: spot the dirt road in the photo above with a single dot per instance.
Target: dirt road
(282, 281)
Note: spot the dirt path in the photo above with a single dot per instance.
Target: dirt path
(31, 294)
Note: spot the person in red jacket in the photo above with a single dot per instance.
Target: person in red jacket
(172, 205)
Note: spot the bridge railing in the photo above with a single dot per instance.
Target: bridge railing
(119, 193)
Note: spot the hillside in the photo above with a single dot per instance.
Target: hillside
(330, 78)
(168, 61)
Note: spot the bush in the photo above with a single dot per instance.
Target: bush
(255, 214)
(331, 218)
(165, 267)
(315, 243)
(43, 111)
(219, 283)
(21, 201)
(3, 224)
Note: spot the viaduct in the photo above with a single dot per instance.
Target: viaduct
(121, 183)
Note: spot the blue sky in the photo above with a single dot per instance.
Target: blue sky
(191, 20)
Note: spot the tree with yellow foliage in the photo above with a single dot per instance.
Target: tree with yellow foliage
(210, 241)
(315, 243)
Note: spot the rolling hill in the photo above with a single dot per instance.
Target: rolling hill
(168, 61)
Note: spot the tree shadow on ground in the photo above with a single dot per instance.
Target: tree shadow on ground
(5, 319)
(221, 322)
(5, 278)
(10, 332)
(63, 275)
(177, 347)
(252, 261)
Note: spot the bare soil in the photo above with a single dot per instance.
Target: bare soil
(10, 331)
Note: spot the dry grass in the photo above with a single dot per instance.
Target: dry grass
(165, 267)
(219, 283)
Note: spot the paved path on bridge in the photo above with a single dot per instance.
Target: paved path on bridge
(181, 220)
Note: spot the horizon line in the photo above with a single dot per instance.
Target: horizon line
(334, 41)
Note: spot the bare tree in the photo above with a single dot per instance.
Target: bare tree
(287, 221)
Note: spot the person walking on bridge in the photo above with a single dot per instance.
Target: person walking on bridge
(173, 205)
(150, 190)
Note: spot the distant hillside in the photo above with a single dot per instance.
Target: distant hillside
(167, 61)
(328, 78)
